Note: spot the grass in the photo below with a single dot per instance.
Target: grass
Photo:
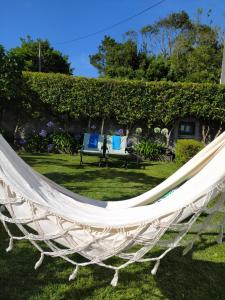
(198, 275)
(114, 183)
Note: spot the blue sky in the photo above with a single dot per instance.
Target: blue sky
(63, 20)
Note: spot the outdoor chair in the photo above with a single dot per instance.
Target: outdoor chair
(106, 146)
(92, 145)
(117, 147)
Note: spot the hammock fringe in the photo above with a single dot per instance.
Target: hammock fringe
(115, 278)
(155, 269)
(10, 247)
(39, 262)
(74, 273)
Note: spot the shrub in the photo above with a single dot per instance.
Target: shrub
(186, 149)
(63, 142)
(36, 143)
(150, 150)
(44, 141)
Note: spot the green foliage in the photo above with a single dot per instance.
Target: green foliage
(173, 48)
(15, 95)
(10, 78)
(64, 142)
(150, 150)
(159, 103)
(158, 69)
(13, 91)
(37, 144)
(119, 60)
(59, 142)
(51, 60)
(186, 149)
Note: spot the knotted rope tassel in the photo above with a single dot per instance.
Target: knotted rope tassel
(115, 278)
(155, 269)
(74, 273)
(39, 262)
(10, 244)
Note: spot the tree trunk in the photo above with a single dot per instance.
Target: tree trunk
(205, 133)
(168, 136)
(102, 126)
(219, 131)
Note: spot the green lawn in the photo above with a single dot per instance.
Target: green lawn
(198, 275)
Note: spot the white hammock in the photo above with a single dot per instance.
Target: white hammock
(69, 223)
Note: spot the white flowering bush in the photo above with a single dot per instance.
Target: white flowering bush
(165, 131)
(157, 130)
(138, 130)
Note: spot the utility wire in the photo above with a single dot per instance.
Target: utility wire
(111, 26)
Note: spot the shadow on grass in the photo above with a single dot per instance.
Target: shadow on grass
(74, 162)
(104, 181)
(179, 277)
(116, 163)
(102, 175)
(35, 161)
(91, 179)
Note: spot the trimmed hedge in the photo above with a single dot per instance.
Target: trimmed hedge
(160, 103)
(186, 149)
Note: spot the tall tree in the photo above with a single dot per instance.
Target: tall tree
(160, 36)
(115, 59)
(51, 60)
(174, 48)
(197, 57)
(10, 78)
(12, 87)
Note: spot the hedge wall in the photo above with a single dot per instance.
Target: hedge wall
(161, 103)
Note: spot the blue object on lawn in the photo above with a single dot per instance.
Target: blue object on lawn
(93, 140)
(116, 142)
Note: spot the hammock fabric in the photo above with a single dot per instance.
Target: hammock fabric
(68, 223)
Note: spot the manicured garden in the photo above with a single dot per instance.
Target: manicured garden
(198, 275)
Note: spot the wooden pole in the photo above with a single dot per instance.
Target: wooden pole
(222, 78)
(89, 124)
(39, 57)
